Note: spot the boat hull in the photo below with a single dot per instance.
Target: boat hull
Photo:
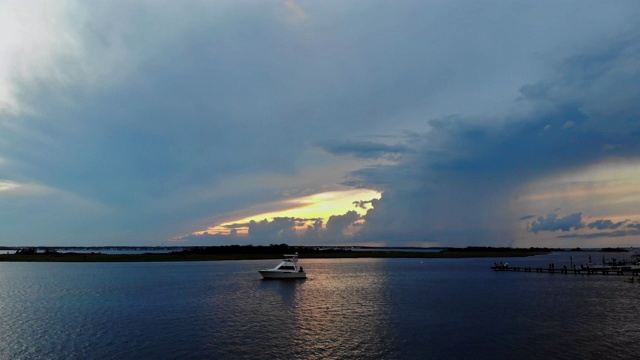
(274, 274)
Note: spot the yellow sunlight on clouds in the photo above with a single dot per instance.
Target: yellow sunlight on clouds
(6, 185)
(321, 205)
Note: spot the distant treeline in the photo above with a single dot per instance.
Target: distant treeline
(273, 251)
(260, 249)
(319, 251)
(531, 249)
(500, 249)
(609, 249)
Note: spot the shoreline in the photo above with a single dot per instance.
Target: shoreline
(203, 256)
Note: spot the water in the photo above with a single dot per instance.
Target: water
(356, 309)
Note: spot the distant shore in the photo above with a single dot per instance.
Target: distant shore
(266, 252)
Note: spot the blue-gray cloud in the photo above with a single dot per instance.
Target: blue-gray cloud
(554, 223)
(571, 222)
(363, 204)
(338, 224)
(603, 224)
(365, 149)
(314, 232)
(598, 235)
(280, 229)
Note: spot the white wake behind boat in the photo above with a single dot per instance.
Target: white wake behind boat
(287, 269)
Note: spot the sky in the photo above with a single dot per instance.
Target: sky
(380, 123)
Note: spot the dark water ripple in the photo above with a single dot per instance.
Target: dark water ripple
(355, 309)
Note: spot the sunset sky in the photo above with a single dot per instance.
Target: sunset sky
(396, 123)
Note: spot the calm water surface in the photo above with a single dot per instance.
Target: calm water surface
(356, 309)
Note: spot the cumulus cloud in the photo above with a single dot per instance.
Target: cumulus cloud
(606, 224)
(621, 229)
(313, 232)
(554, 223)
(601, 235)
(286, 229)
(633, 225)
(280, 229)
(363, 204)
(571, 223)
(338, 224)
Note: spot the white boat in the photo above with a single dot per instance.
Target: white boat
(287, 269)
(591, 266)
(596, 267)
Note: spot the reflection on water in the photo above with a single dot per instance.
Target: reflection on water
(337, 310)
(343, 310)
(363, 308)
(285, 289)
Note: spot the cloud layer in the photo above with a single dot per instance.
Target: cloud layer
(458, 188)
(135, 122)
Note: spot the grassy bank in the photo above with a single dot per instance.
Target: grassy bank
(212, 255)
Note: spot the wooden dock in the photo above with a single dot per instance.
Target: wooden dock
(585, 270)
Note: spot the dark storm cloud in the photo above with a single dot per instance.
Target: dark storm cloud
(314, 232)
(279, 229)
(337, 224)
(457, 187)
